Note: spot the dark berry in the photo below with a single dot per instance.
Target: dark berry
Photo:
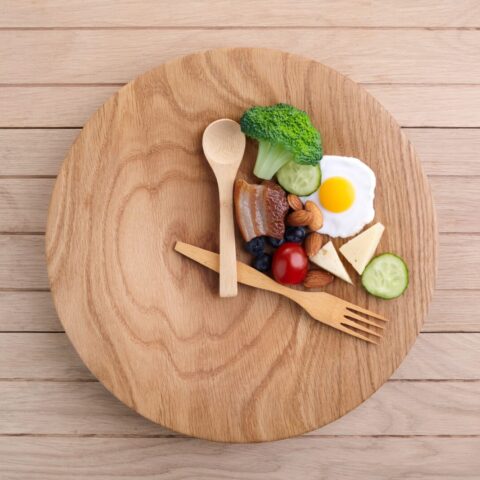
(256, 246)
(275, 242)
(295, 234)
(263, 262)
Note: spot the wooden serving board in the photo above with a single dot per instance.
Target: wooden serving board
(149, 323)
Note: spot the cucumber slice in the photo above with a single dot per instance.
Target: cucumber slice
(299, 179)
(386, 276)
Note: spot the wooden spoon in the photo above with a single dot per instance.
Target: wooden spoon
(224, 144)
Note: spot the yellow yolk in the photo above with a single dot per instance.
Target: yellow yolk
(336, 194)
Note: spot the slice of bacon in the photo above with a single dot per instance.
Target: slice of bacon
(260, 209)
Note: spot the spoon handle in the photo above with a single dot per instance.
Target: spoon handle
(228, 255)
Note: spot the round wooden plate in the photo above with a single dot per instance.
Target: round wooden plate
(149, 323)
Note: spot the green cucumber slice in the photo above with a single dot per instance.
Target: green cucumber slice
(299, 179)
(386, 276)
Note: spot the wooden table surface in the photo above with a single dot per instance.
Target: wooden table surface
(60, 60)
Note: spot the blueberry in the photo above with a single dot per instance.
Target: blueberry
(256, 246)
(275, 242)
(295, 234)
(263, 262)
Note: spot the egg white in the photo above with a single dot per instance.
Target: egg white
(351, 221)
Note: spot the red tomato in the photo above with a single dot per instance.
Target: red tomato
(290, 264)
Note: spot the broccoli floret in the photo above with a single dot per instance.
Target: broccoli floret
(284, 134)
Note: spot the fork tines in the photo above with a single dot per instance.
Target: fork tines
(355, 322)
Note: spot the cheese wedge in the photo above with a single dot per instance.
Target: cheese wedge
(360, 249)
(328, 259)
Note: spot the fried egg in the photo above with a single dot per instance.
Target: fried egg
(345, 195)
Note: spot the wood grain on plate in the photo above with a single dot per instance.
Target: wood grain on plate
(150, 325)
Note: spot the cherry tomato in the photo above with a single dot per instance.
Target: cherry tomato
(290, 264)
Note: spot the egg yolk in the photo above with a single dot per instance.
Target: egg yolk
(336, 194)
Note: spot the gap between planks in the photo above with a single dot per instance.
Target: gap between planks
(235, 27)
(180, 435)
(94, 380)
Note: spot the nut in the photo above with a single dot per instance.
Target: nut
(317, 279)
(313, 243)
(317, 217)
(294, 202)
(300, 218)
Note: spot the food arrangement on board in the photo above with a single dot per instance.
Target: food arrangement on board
(287, 226)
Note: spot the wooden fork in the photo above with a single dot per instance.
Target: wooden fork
(328, 309)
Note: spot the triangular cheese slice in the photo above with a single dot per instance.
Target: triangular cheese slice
(360, 250)
(328, 259)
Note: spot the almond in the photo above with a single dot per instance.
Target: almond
(313, 243)
(317, 279)
(294, 202)
(300, 218)
(317, 217)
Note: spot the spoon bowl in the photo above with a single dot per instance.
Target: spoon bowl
(224, 143)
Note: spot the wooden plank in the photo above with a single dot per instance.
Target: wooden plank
(454, 311)
(450, 311)
(45, 356)
(459, 262)
(50, 106)
(306, 13)
(40, 152)
(70, 106)
(73, 408)
(117, 56)
(308, 458)
(456, 201)
(24, 203)
(50, 356)
(438, 356)
(414, 408)
(432, 105)
(22, 264)
(34, 152)
(398, 408)
(28, 312)
(447, 151)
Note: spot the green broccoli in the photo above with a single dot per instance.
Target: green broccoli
(284, 134)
